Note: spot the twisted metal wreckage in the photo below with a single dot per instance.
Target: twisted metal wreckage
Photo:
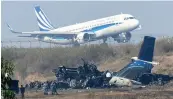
(84, 76)
(137, 72)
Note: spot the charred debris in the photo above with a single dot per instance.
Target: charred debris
(88, 76)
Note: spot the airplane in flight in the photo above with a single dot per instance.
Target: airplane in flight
(118, 27)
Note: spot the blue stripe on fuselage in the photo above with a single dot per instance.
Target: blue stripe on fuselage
(56, 36)
(94, 29)
(140, 63)
(59, 38)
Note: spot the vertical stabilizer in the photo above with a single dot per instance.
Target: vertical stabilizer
(42, 20)
(147, 49)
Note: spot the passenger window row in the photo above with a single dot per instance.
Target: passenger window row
(94, 26)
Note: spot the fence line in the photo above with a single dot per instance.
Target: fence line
(40, 44)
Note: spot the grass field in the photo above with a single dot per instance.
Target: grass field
(37, 63)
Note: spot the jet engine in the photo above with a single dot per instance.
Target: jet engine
(46, 38)
(82, 38)
(43, 38)
(122, 37)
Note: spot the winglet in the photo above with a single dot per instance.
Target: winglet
(12, 29)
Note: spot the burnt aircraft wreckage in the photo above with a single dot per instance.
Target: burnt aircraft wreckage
(82, 77)
(137, 72)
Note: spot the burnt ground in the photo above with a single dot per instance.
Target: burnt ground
(150, 92)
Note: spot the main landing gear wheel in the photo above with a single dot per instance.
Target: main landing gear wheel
(76, 45)
(104, 40)
(128, 36)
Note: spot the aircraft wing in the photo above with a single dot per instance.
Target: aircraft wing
(41, 32)
(47, 32)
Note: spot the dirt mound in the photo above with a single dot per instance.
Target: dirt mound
(114, 65)
(165, 64)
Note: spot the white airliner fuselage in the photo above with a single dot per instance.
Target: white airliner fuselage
(117, 27)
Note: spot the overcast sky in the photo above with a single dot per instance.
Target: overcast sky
(156, 18)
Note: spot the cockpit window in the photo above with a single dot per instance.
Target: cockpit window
(127, 18)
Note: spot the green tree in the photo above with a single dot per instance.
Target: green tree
(7, 68)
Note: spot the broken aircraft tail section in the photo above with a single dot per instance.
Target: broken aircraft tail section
(137, 67)
(143, 63)
(147, 49)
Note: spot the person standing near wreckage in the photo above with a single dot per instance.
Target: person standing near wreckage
(22, 91)
(45, 88)
(53, 88)
(37, 86)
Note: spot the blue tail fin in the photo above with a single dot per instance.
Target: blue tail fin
(147, 49)
(43, 22)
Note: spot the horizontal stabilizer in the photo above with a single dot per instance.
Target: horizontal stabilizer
(147, 49)
(153, 62)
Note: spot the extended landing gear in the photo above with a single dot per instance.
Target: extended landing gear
(123, 37)
(128, 36)
(104, 40)
(121, 41)
(76, 45)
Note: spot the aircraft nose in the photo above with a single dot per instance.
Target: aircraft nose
(136, 23)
